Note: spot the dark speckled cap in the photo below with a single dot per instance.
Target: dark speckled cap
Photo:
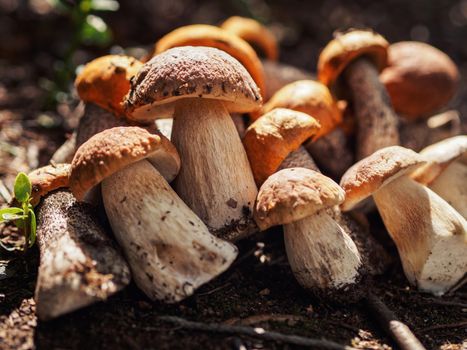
(194, 72)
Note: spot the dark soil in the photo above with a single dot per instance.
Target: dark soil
(259, 290)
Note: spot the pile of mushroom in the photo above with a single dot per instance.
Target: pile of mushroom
(163, 150)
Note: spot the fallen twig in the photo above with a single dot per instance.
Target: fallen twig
(443, 326)
(399, 331)
(258, 333)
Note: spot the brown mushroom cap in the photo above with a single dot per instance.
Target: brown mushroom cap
(113, 149)
(293, 194)
(373, 172)
(106, 80)
(212, 36)
(345, 48)
(192, 72)
(48, 179)
(254, 33)
(273, 136)
(419, 78)
(439, 156)
(310, 97)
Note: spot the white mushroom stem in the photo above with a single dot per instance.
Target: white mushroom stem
(376, 119)
(451, 185)
(430, 235)
(215, 179)
(320, 250)
(170, 251)
(78, 265)
(322, 256)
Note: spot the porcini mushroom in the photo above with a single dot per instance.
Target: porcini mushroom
(202, 85)
(430, 235)
(78, 263)
(169, 249)
(419, 78)
(446, 171)
(359, 56)
(322, 256)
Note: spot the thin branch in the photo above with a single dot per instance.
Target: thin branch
(443, 326)
(258, 333)
(399, 331)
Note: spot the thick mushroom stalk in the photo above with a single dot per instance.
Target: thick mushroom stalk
(377, 122)
(359, 56)
(151, 222)
(322, 255)
(431, 240)
(169, 249)
(78, 264)
(430, 235)
(215, 181)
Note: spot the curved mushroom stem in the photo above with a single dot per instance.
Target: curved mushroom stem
(332, 153)
(169, 249)
(216, 179)
(322, 256)
(78, 264)
(377, 122)
(451, 185)
(430, 235)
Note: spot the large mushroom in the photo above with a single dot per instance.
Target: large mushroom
(169, 249)
(202, 85)
(78, 263)
(273, 142)
(359, 56)
(446, 171)
(430, 235)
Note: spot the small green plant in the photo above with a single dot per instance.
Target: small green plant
(23, 216)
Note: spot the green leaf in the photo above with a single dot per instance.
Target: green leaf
(23, 187)
(32, 235)
(105, 5)
(10, 217)
(9, 211)
(94, 31)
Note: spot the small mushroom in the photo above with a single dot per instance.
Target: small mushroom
(78, 263)
(419, 78)
(106, 80)
(169, 249)
(202, 85)
(255, 34)
(430, 235)
(359, 56)
(446, 171)
(329, 147)
(321, 254)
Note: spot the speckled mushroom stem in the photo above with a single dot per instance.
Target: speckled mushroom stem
(78, 264)
(332, 153)
(376, 120)
(451, 185)
(215, 179)
(320, 256)
(169, 249)
(430, 235)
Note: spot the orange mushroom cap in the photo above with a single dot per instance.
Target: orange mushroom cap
(211, 36)
(254, 33)
(312, 98)
(106, 80)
